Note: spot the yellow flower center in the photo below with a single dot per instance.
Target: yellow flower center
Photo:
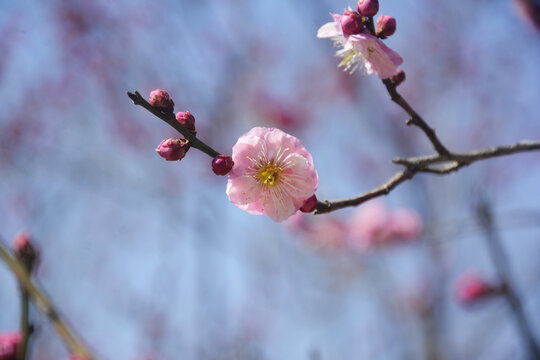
(270, 175)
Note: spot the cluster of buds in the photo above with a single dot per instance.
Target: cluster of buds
(175, 149)
(471, 289)
(354, 22)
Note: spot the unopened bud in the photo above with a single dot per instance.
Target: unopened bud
(386, 25)
(398, 78)
(24, 250)
(173, 149)
(187, 119)
(8, 345)
(310, 204)
(368, 8)
(160, 99)
(222, 164)
(351, 23)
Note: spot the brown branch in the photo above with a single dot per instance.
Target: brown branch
(170, 119)
(452, 162)
(75, 345)
(415, 118)
(328, 206)
(469, 157)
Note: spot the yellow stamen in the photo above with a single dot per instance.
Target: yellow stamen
(270, 175)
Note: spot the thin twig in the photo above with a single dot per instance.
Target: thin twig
(413, 165)
(469, 157)
(415, 118)
(328, 206)
(170, 119)
(502, 266)
(72, 341)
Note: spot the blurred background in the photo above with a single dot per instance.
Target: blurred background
(149, 260)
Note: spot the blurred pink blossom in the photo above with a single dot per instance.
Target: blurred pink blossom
(373, 225)
(471, 288)
(273, 173)
(327, 232)
(8, 345)
(361, 50)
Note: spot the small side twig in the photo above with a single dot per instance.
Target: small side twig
(170, 119)
(502, 266)
(415, 118)
(72, 341)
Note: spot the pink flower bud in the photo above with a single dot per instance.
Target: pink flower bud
(21, 241)
(386, 25)
(25, 251)
(471, 288)
(367, 8)
(187, 119)
(310, 204)
(398, 78)
(8, 345)
(160, 99)
(173, 149)
(351, 23)
(222, 164)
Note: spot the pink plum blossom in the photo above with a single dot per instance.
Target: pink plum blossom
(373, 225)
(361, 50)
(273, 173)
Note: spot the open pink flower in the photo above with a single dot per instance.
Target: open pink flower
(361, 50)
(273, 173)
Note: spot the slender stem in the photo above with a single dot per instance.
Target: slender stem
(384, 189)
(415, 118)
(501, 263)
(72, 341)
(170, 119)
(25, 327)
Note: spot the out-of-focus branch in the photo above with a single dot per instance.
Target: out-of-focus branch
(501, 263)
(72, 341)
(25, 327)
(427, 164)
(170, 119)
(415, 118)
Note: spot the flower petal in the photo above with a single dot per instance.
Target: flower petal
(242, 189)
(379, 58)
(329, 30)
